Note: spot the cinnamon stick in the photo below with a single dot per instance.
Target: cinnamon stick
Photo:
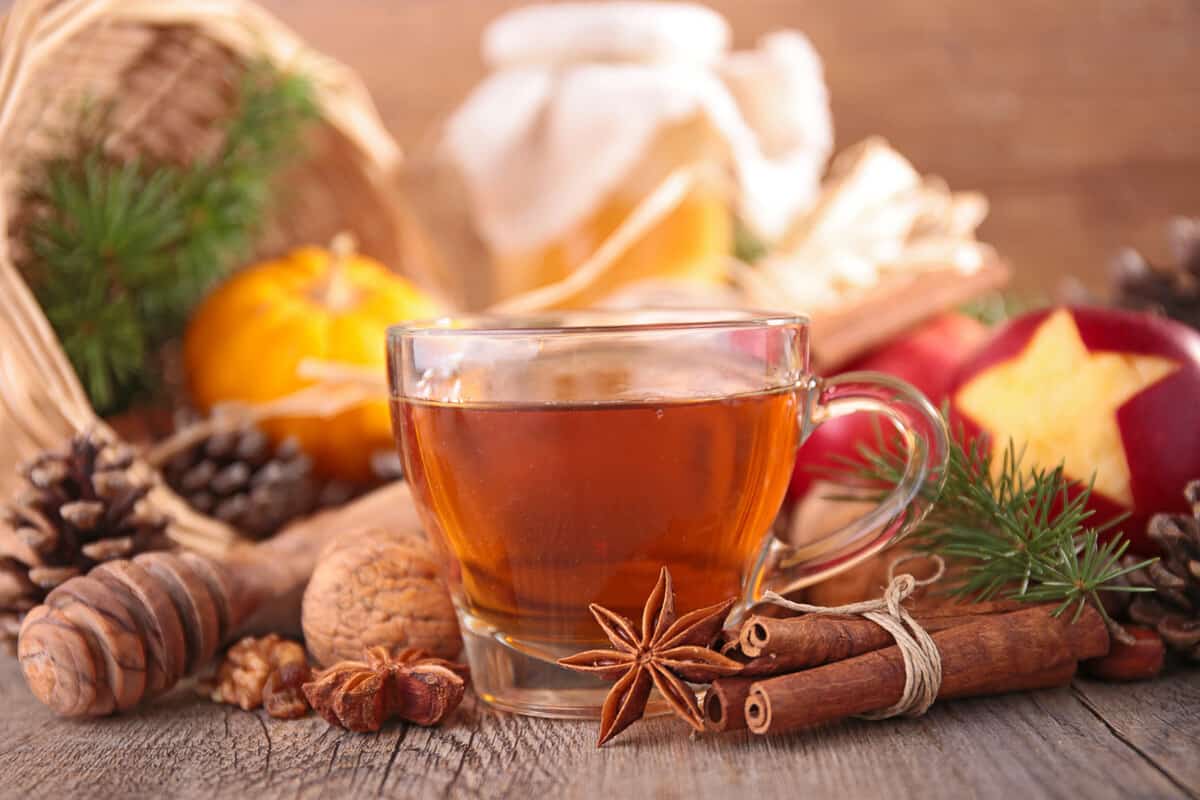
(725, 704)
(783, 645)
(794, 643)
(997, 653)
(725, 700)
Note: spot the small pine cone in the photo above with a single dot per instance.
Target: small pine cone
(1172, 291)
(81, 506)
(1184, 237)
(267, 672)
(1173, 608)
(240, 478)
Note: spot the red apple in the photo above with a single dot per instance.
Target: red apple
(1113, 395)
(927, 356)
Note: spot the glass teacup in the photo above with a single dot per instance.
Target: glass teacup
(562, 460)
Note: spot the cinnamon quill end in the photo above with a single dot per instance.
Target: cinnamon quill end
(1022, 650)
(725, 703)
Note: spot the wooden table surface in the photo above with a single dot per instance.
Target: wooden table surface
(1080, 125)
(1091, 740)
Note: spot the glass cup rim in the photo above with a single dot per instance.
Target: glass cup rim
(594, 322)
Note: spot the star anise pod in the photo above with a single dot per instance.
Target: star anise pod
(411, 685)
(665, 654)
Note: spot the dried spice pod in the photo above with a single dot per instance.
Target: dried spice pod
(378, 588)
(264, 672)
(80, 506)
(410, 685)
(665, 653)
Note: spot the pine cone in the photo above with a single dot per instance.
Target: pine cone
(82, 507)
(1172, 291)
(1173, 608)
(238, 477)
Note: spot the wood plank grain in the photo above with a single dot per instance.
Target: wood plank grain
(1046, 744)
(1159, 721)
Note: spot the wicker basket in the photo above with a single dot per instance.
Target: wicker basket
(169, 68)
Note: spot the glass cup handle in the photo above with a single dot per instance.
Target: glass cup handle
(784, 567)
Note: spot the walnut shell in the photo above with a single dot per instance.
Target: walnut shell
(267, 672)
(377, 588)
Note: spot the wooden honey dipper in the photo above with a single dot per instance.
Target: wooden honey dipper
(130, 630)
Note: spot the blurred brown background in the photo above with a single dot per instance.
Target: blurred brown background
(1080, 120)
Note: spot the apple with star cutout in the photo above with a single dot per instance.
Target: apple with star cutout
(1113, 396)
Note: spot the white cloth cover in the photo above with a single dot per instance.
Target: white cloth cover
(578, 93)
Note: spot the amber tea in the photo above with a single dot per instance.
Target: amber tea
(563, 459)
(546, 508)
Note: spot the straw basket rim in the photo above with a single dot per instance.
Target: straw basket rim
(42, 402)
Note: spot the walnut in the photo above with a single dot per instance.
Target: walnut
(377, 589)
(411, 685)
(269, 672)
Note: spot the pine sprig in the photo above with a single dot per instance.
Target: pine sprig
(747, 246)
(119, 252)
(1012, 531)
(995, 308)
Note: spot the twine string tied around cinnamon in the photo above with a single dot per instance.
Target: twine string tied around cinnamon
(922, 661)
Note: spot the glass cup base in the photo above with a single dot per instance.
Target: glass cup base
(513, 676)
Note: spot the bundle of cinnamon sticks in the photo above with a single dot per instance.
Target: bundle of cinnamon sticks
(801, 671)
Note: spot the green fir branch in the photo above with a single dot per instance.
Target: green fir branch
(120, 252)
(1012, 531)
(996, 308)
(747, 246)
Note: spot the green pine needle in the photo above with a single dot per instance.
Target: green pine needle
(1014, 532)
(747, 246)
(995, 308)
(121, 252)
